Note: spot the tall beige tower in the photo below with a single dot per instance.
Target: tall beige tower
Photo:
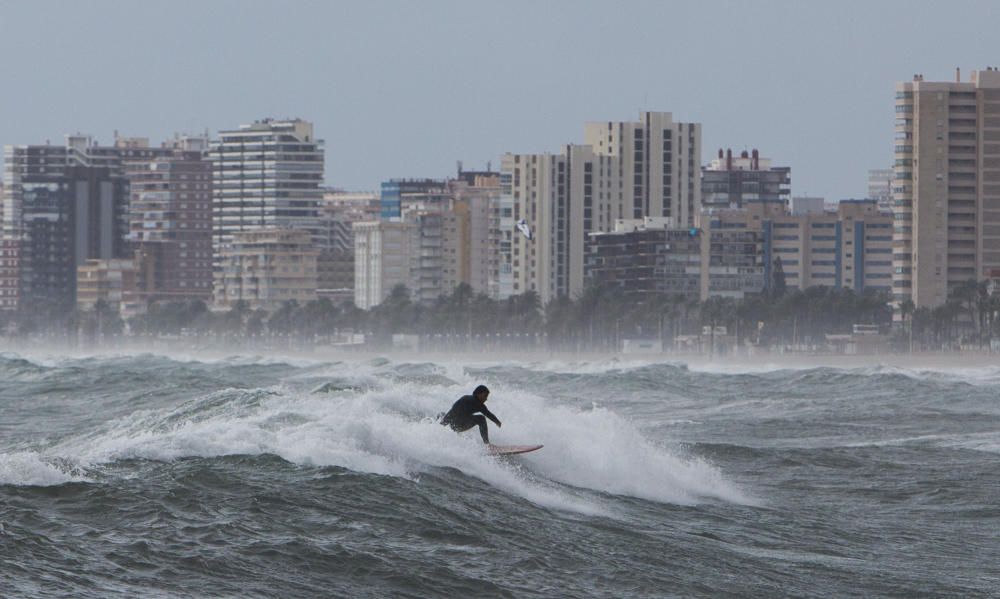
(559, 199)
(660, 164)
(624, 170)
(946, 186)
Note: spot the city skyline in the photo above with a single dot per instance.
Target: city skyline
(397, 91)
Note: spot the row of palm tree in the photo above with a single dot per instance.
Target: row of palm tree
(971, 315)
(598, 319)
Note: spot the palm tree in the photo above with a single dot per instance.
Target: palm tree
(717, 311)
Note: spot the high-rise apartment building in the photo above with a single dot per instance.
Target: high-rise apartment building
(427, 274)
(170, 212)
(728, 181)
(408, 251)
(443, 234)
(400, 195)
(385, 255)
(63, 205)
(265, 175)
(650, 167)
(660, 164)
(471, 241)
(651, 256)
(558, 199)
(946, 188)
(335, 242)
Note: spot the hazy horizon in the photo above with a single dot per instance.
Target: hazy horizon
(406, 89)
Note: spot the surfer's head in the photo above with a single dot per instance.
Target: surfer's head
(481, 393)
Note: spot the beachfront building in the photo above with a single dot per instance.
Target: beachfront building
(62, 206)
(265, 175)
(646, 257)
(10, 273)
(112, 282)
(728, 181)
(170, 218)
(471, 236)
(385, 255)
(334, 238)
(946, 186)
(266, 268)
(848, 247)
(660, 164)
(558, 200)
(650, 257)
(624, 170)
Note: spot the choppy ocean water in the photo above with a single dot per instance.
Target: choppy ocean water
(249, 477)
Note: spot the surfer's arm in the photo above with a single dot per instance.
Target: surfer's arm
(489, 415)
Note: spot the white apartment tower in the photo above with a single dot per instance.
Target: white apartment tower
(946, 188)
(266, 175)
(386, 254)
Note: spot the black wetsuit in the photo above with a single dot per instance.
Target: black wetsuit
(463, 415)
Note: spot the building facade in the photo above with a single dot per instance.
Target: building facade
(558, 200)
(10, 273)
(847, 248)
(728, 182)
(946, 186)
(739, 253)
(427, 281)
(267, 268)
(400, 195)
(109, 281)
(551, 203)
(266, 175)
(472, 236)
(733, 264)
(385, 255)
(648, 257)
(63, 205)
(880, 187)
(660, 164)
(335, 241)
(170, 226)
(440, 235)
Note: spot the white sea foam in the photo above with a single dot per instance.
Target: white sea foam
(28, 468)
(597, 449)
(389, 430)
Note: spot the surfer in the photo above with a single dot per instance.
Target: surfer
(470, 411)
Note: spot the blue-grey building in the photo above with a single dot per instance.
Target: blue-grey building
(400, 194)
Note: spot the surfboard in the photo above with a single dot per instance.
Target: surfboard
(511, 449)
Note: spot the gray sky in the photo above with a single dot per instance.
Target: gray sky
(404, 89)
